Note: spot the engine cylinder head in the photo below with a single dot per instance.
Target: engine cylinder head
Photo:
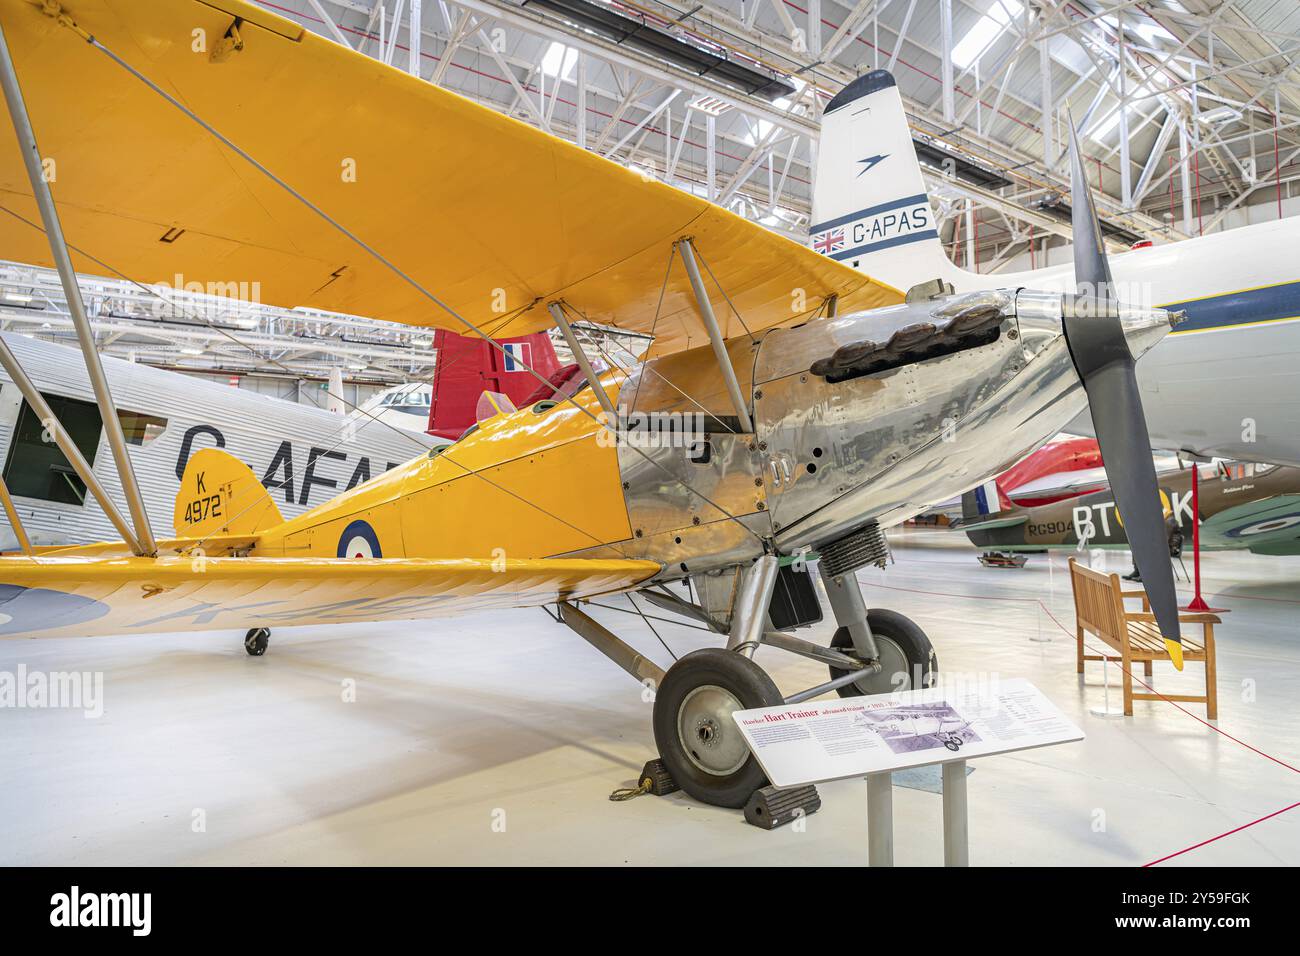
(866, 545)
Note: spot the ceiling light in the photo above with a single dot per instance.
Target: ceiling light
(1107, 126)
(559, 60)
(999, 17)
(1220, 114)
(712, 105)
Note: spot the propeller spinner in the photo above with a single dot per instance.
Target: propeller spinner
(1101, 355)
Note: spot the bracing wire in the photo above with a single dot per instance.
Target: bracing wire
(378, 256)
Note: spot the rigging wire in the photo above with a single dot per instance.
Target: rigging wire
(344, 428)
(383, 260)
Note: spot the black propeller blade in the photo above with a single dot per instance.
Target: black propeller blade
(1105, 364)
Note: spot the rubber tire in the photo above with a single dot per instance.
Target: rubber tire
(256, 640)
(749, 683)
(905, 633)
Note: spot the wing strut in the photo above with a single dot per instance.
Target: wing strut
(63, 439)
(20, 532)
(715, 336)
(142, 542)
(579, 356)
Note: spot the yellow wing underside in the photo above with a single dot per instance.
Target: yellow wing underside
(75, 596)
(487, 213)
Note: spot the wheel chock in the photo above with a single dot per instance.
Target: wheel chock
(770, 808)
(656, 779)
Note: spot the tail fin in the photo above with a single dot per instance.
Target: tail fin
(220, 495)
(468, 366)
(870, 209)
(987, 499)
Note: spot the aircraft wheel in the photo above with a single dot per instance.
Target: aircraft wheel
(697, 738)
(951, 745)
(907, 658)
(255, 641)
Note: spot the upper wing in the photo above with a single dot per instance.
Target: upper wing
(72, 596)
(481, 210)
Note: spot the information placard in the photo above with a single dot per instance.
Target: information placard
(851, 737)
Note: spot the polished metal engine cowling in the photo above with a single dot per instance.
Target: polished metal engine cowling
(872, 416)
(884, 445)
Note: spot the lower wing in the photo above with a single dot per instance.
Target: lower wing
(76, 596)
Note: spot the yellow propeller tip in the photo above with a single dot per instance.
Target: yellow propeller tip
(1175, 653)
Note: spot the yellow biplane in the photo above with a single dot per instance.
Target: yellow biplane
(791, 407)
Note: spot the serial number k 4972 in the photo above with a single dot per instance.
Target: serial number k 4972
(200, 509)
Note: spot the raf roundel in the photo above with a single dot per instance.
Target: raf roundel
(359, 541)
(1269, 525)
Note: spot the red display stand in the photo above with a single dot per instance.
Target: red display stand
(1197, 603)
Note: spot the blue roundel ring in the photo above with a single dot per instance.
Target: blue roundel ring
(1266, 525)
(24, 610)
(359, 540)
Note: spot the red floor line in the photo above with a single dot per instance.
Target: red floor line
(1195, 846)
(1071, 634)
(1119, 664)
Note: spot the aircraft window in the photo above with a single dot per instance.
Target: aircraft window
(411, 409)
(35, 467)
(139, 428)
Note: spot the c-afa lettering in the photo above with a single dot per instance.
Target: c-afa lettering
(280, 473)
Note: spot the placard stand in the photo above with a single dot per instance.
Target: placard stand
(880, 817)
(876, 736)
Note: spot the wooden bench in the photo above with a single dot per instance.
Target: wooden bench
(1099, 609)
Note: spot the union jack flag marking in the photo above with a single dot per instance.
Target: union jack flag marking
(829, 242)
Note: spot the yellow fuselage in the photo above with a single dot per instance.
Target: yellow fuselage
(530, 484)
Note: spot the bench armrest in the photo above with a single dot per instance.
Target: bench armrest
(1146, 604)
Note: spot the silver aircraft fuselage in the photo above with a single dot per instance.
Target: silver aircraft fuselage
(944, 393)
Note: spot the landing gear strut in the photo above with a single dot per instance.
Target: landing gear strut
(255, 641)
(700, 746)
(902, 651)
(906, 656)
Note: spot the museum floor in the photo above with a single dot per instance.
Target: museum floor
(497, 738)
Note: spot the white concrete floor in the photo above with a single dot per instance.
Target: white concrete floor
(496, 739)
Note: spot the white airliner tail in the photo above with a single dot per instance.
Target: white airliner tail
(869, 205)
